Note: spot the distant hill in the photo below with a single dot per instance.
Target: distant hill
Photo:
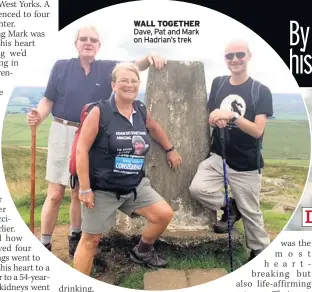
(23, 98)
(287, 106)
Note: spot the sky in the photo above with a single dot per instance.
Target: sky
(115, 25)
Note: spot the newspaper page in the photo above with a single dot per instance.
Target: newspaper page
(115, 176)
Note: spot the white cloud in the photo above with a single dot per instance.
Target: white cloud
(115, 25)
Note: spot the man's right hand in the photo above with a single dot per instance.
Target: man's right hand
(220, 124)
(33, 117)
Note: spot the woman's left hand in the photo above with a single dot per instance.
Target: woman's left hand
(87, 199)
(174, 159)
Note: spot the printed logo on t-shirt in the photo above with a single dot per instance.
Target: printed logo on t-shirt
(139, 145)
(234, 103)
(128, 165)
(131, 148)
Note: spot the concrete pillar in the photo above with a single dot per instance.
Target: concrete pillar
(177, 98)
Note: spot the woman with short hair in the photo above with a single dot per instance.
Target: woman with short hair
(110, 159)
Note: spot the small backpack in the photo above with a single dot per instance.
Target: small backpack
(107, 113)
(255, 96)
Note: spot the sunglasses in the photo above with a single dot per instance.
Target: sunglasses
(239, 55)
(85, 39)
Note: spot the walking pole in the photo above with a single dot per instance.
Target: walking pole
(33, 177)
(225, 176)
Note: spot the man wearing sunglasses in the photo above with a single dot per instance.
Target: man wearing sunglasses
(72, 84)
(231, 107)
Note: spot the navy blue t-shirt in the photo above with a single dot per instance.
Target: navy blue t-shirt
(241, 148)
(70, 89)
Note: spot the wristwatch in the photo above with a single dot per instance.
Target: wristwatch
(236, 116)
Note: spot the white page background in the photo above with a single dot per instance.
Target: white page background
(116, 26)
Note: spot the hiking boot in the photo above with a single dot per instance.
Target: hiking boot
(73, 241)
(150, 258)
(48, 246)
(253, 254)
(222, 225)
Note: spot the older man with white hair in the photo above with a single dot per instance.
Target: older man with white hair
(72, 84)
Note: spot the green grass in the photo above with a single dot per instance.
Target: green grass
(286, 152)
(289, 162)
(184, 262)
(16, 162)
(274, 221)
(23, 209)
(298, 173)
(286, 140)
(283, 140)
(16, 131)
(135, 280)
(16, 165)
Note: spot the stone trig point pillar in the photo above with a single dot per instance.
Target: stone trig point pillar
(177, 98)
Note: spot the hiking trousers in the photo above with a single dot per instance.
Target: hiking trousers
(245, 187)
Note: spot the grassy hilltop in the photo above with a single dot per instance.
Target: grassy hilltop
(284, 139)
(286, 151)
